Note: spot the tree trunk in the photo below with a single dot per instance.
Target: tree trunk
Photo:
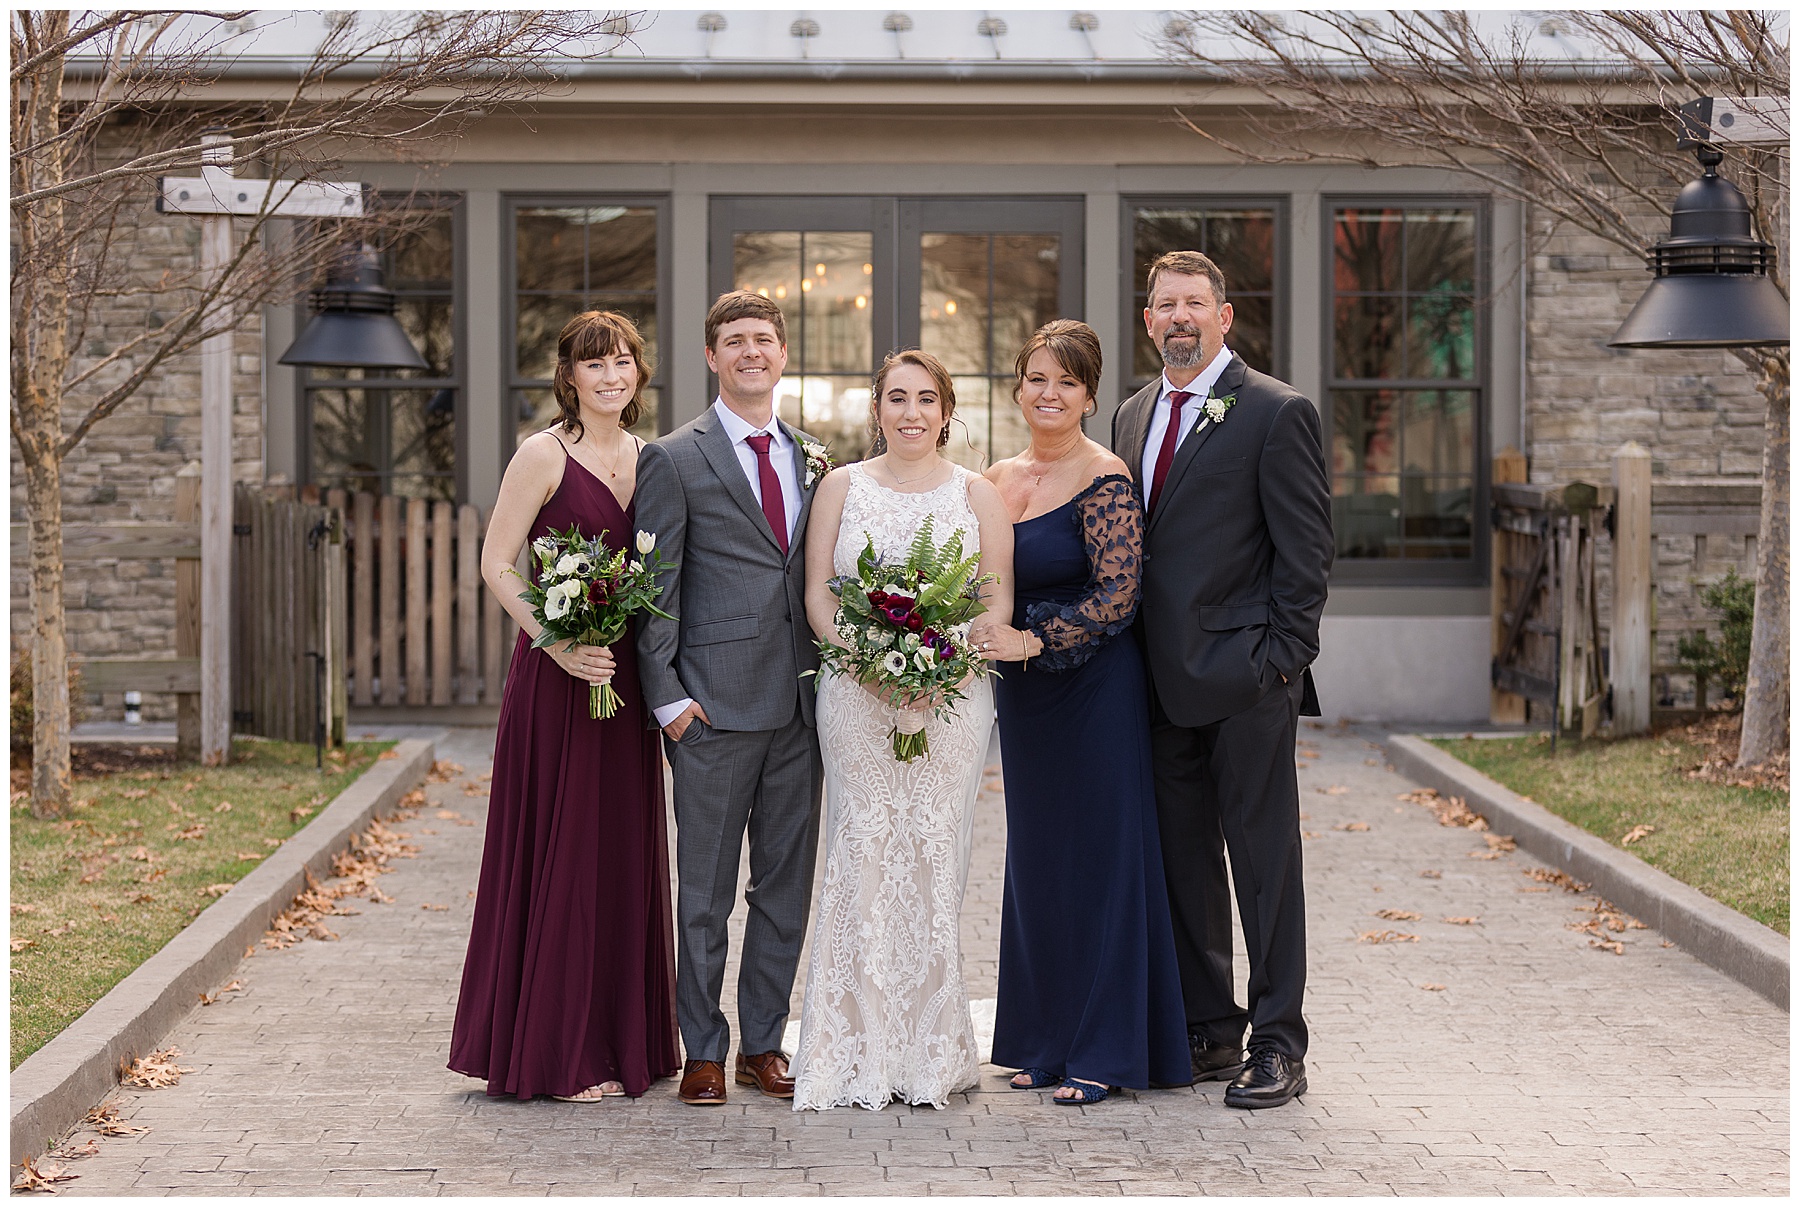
(1765, 732)
(50, 778)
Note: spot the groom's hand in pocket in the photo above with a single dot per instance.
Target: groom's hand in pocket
(676, 728)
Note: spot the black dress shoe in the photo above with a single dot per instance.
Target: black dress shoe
(1213, 1061)
(1269, 1079)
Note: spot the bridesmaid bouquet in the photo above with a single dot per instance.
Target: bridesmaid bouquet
(906, 628)
(587, 593)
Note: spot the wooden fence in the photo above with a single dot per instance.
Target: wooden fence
(422, 628)
(287, 617)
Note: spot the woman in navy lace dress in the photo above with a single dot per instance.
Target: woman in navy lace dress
(1089, 994)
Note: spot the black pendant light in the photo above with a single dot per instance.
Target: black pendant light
(1712, 286)
(353, 324)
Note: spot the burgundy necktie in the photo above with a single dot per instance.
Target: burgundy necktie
(773, 508)
(1166, 454)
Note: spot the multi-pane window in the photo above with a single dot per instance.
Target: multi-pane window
(823, 281)
(1405, 381)
(980, 298)
(1241, 238)
(571, 256)
(393, 431)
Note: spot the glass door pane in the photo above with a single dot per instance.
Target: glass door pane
(823, 282)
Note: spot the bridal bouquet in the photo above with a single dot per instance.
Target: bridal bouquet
(906, 628)
(587, 593)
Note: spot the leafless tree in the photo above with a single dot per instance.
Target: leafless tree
(106, 101)
(1572, 113)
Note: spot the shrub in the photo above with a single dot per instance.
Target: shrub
(22, 712)
(1725, 662)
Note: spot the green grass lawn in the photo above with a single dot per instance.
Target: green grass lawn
(1731, 843)
(148, 845)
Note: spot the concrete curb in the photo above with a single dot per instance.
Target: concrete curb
(61, 1081)
(1743, 949)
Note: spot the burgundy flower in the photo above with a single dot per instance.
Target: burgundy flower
(913, 623)
(930, 637)
(877, 598)
(599, 591)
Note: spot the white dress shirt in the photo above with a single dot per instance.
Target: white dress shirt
(781, 456)
(1198, 388)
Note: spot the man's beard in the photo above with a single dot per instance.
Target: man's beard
(1181, 354)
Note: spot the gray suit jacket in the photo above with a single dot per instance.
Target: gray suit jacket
(742, 640)
(1238, 550)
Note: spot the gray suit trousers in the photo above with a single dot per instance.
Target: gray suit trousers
(727, 783)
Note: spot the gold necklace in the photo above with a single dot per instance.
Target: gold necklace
(612, 467)
(899, 481)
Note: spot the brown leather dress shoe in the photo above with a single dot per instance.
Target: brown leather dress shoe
(768, 1072)
(703, 1083)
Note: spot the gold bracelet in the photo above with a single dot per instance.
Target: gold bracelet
(1024, 646)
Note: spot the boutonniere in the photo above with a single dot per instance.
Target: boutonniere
(818, 462)
(1215, 408)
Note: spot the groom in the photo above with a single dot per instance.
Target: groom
(727, 496)
(1237, 544)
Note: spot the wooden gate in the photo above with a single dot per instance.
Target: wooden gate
(288, 617)
(1547, 641)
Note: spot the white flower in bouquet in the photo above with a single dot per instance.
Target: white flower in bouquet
(560, 598)
(893, 662)
(847, 632)
(910, 642)
(646, 541)
(573, 563)
(637, 567)
(544, 547)
(896, 589)
(960, 632)
(923, 659)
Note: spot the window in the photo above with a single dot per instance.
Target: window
(1406, 385)
(571, 255)
(393, 431)
(1245, 239)
(823, 281)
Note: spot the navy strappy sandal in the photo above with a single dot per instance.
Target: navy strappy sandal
(1040, 1079)
(1086, 1093)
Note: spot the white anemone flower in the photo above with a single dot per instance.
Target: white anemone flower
(571, 563)
(922, 659)
(910, 641)
(557, 603)
(893, 662)
(646, 541)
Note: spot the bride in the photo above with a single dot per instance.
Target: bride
(886, 1012)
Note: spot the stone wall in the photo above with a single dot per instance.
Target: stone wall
(1697, 411)
(125, 468)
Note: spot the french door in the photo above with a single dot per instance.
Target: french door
(966, 279)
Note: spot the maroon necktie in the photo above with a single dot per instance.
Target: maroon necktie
(1166, 454)
(773, 508)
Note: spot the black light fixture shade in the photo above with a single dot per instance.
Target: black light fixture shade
(353, 325)
(1712, 286)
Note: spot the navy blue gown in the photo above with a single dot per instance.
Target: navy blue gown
(1088, 981)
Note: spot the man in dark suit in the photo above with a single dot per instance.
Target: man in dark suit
(1237, 546)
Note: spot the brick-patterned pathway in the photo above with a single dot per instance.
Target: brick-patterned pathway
(1504, 1055)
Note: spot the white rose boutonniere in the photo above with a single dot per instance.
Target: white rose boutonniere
(1215, 408)
(818, 462)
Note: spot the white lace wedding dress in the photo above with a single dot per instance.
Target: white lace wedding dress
(886, 1012)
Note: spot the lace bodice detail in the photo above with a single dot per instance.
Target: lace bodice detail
(1111, 522)
(892, 518)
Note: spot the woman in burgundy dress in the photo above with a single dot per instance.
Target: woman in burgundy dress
(569, 985)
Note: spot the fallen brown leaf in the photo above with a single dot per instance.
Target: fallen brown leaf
(1371, 762)
(1386, 936)
(1353, 826)
(1636, 833)
(1431, 874)
(1473, 921)
(22, 944)
(387, 754)
(24, 909)
(446, 814)
(223, 806)
(252, 854)
(1612, 945)
(35, 1177)
(216, 890)
(299, 811)
(135, 793)
(1432, 986)
(207, 999)
(1333, 790)
(105, 1118)
(1309, 833)
(156, 1071)
(1399, 915)
(436, 909)
(443, 772)
(192, 833)
(1562, 880)
(141, 898)
(86, 1149)
(143, 855)
(273, 842)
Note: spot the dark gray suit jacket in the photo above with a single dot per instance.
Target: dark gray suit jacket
(1237, 553)
(742, 640)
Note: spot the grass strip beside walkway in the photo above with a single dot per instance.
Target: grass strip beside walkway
(149, 844)
(1729, 842)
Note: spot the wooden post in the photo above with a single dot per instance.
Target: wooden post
(187, 613)
(362, 602)
(215, 492)
(387, 600)
(1504, 708)
(493, 633)
(1631, 590)
(418, 595)
(442, 598)
(468, 603)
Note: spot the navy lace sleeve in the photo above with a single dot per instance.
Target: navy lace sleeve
(1112, 528)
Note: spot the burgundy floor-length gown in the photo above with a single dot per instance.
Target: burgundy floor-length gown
(570, 975)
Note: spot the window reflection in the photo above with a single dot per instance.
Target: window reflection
(823, 282)
(980, 298)
(574, 257)
(1241, 241)
(1405, 402)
